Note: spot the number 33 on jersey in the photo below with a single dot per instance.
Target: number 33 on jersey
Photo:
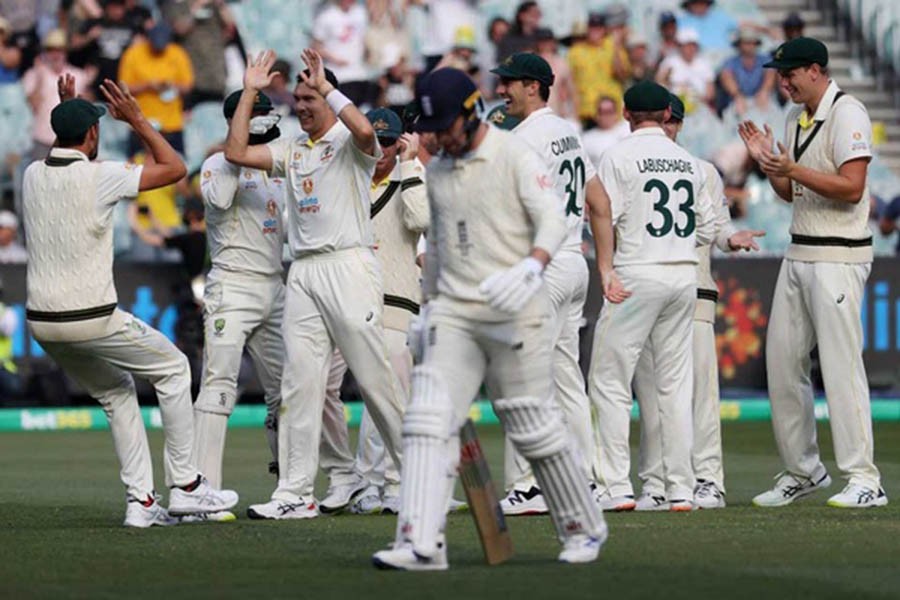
(661, 207)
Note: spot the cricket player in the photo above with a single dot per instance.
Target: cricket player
(525, 80)
(661, 211)
(821, 168)
(69, 200)
(494, 226)
(243, 302)
(399, 210)
(706, 452)
(334, 294)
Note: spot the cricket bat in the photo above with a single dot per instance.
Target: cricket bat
(482, 497)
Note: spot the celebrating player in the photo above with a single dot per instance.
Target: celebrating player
(334, 291)
(68, 202)
(706, 452)
(525, 81)
(661, 211)
(399, 213)
(494, 227)
(243, 302)
(821, 169)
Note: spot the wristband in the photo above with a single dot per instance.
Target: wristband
(337, 101)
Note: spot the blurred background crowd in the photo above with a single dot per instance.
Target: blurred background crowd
(180, 58)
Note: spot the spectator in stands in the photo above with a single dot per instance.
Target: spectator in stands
(496, 31)
(10, 381)
(688, 74)
(191, 242)
(642, 68)
(599, 68)
(22, 16)
(385, 39)
(668, 29)
(498, 28)
(40, 85)
(10, 55)
(339, 37)
(202, 28)
(611, 128)
(521, 36)
(160, 75)
(889, 221)
(11, 251)
(743, 78)
(463, 53)
(102, 41)
(281, 89)
(396, 85)
(714, 26)
(562, 92)
(793, 26)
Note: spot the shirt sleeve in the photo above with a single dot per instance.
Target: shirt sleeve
(414, 195)
(715, 188)
(366, 161)
(618, 202)
(852, 133)
(540, 201)
(219, 181)
(281, 150)
(118, 181)
(706, 212)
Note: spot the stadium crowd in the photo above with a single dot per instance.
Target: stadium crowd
(181, 57)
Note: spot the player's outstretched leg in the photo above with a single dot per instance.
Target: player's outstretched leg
(427, 475)
(540, 436)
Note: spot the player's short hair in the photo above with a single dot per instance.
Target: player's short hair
(657, 116)
(329, 77)
(71, 142)
(543, 88)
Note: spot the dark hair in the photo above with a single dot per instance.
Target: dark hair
(282, 66)
(329, 77)
(72, 142)
(543, 88)
(640, 116)
(525, 6)
(494, 21)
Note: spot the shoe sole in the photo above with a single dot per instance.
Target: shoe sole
(252, 514)
(180, 511)
(661, 508)
(386, 566)
(684, 509)
(624, 507)
(531, 512)
(875, 504)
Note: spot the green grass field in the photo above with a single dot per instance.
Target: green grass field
(61, 508)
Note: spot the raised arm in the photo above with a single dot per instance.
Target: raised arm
(346, 111)
(237, 145)
(166, 167)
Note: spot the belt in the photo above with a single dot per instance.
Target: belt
(809, 240)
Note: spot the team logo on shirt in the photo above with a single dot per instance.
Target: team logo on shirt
(207, 174)
(858, 142)
(308, 186)
(272, 207)
(270, 225)
(297, 156)
(219, 326)
(327, 153)
(309, 204)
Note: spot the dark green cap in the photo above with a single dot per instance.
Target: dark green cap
(677, 107)
(799, 52)
(499, 117)
(525, 65)
(72, 118)
(386, 123)
(646, 96)
(262, 104)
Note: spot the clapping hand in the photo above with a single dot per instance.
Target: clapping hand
(756, 141)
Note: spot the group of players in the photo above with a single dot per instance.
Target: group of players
(502, 290)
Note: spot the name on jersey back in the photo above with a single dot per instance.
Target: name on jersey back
(665, 165)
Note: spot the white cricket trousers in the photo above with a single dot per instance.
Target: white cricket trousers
(373, 464)
(659, 312)
(104, 366)
(566, 280)
(334, 300)
(240, 309)
(706, 453)
(819, 303)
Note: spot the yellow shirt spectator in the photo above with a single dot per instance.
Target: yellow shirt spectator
(594, 74)
(161, 203)
(158, 80)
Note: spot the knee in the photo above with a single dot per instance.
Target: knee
(429, 413)
(124, 391)
(535, 429)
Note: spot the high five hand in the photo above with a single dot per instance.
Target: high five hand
(65, 85)
(316, 78)
(258, 75)
(122, 105)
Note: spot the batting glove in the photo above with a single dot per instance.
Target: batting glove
(510, 290)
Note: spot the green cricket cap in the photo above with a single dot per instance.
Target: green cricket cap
(677, 107)
(72, 118)
(646, 96)
(525, 65)
(499, 117)
(799, 52)
(386, 123)
(262, 103)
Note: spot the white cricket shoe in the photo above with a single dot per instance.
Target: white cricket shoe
(707, 495)
(402, 557)
(609, 503)
(280, 510)
(582, 548)
(390, 505)
(790, 487)
(338, 497)
(222, 516)
(858, 496)
(524, 502)
(648, 501)
(140, 514)
(368, 502)
(203, 498)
